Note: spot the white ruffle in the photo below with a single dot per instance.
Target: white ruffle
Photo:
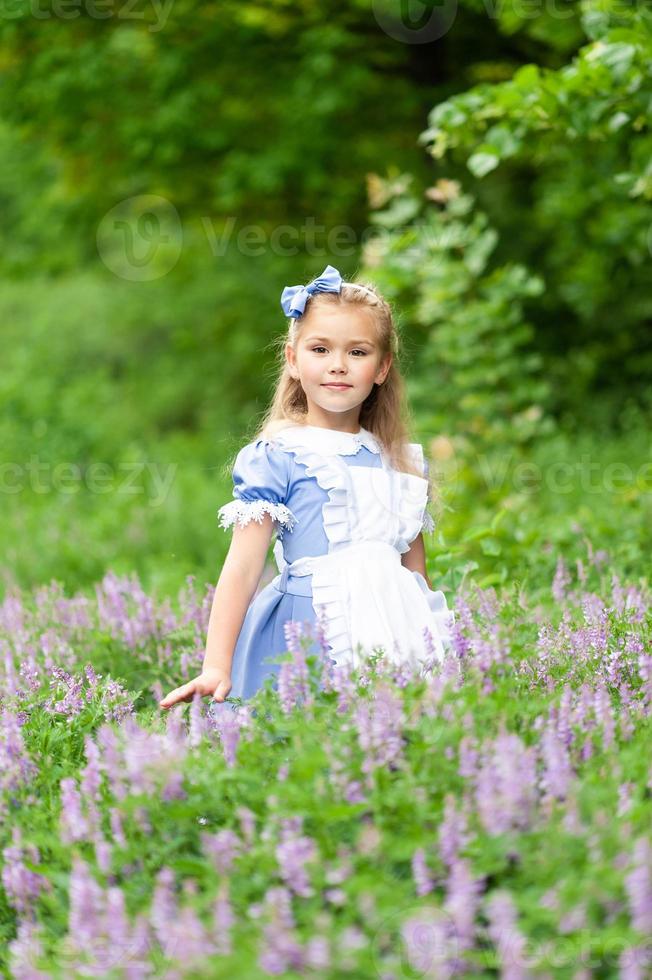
(244, 511)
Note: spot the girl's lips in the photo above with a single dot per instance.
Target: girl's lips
(336, 386)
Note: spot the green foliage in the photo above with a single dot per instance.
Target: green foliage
(576, 143)
(508, 512)
(158, 100)
(476, 372)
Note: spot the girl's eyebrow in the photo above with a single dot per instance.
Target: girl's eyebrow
(327, 341)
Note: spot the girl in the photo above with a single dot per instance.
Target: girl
(332, 473)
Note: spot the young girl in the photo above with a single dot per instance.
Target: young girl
(331, 471)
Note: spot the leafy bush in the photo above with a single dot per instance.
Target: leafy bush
(476, 372)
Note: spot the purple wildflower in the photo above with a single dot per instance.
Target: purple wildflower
(635, 963)
(281, 952)
(505, 785)
(427, 940)
(558, 771)
(380, 729)
(74, 824)
(293, 678)
(462, 901)
(422, 878)
(638, 885)
(229, 725)
(164, 910)
(21, 885)
(16, 767)
(292, 854)
(223, 847)
(503, 931)
(24, 951)
(561, 581)
(223, 921)
(452, 831)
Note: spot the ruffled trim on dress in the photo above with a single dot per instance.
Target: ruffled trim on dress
(244, 511)
(317, 450)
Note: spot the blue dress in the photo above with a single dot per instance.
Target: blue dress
(343, 517)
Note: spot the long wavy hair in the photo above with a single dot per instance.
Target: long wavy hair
(385, 411)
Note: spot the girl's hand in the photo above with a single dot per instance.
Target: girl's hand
(214, 681)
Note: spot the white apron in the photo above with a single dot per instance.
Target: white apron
(373, 513)
(378, 602)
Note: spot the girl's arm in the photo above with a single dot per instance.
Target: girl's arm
(234, 591)
(415, 558)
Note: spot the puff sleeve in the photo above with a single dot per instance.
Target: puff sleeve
(261, 475)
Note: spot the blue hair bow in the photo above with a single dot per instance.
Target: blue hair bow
(294, 298)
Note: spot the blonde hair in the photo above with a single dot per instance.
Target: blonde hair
(384, 412)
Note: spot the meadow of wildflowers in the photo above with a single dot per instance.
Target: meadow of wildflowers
(485, 816)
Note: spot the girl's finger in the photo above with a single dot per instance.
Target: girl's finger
(179, 694)
(219, 693)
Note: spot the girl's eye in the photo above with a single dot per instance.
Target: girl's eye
(363, 352)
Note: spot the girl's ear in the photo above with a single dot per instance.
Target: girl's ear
(291, 360)
(383, 369)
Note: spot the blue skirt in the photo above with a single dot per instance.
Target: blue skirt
(262, 635)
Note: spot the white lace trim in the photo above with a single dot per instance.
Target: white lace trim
(243, 511)
(428, 522)
(326, 442)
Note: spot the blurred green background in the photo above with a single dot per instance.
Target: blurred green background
(165, 171)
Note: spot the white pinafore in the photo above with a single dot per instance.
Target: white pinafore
(372, 515)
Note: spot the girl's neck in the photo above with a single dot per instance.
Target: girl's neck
(311, 425)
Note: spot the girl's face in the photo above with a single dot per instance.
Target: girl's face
(337, 361)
